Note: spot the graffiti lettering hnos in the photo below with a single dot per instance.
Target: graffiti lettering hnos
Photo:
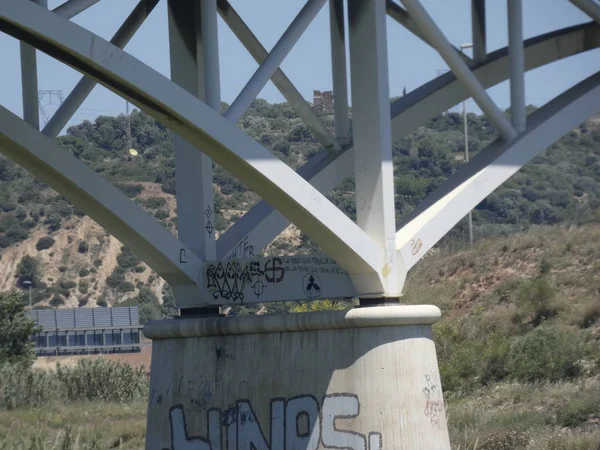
(296, 424)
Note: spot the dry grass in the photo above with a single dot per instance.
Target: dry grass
(90, 425)
(516, 416)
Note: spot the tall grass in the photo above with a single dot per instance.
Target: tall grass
(110, 381)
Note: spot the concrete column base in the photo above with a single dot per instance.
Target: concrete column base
(365, 379)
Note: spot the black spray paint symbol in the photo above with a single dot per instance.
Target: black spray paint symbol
(274, 271)
(311, 285)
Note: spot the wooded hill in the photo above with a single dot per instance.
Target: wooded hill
(72, 261)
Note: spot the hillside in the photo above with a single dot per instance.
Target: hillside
(518, 347)
(72, 262)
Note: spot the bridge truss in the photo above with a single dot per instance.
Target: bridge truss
(369, 258)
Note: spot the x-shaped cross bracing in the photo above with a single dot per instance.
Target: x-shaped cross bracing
(303, 204)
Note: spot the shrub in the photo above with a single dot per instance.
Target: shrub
(62, 269)
(155, 202)
(90, 379)
(68, 284)
(44, 243)
(106, 380)
(139, 269)
(84, 272)
(102, 302)
(83, 301)
(82, 247)
(547, 353)
(83, 286)
(115, 279)
(536, 298)
(126, 286)
(161, 214)
(56, 301)
(126, 259)
(590, 314)
(130, 189)
(97, 262)
(25, 388)
(53, 222)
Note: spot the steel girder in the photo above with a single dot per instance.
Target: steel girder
(473, 182)
(256, 167)
(230, 147)
(102, 201)
(262, 223)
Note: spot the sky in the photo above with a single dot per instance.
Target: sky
(411, 62)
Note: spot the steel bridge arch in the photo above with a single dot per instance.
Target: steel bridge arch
(260, 170)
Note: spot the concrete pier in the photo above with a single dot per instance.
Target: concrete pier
(364, 379)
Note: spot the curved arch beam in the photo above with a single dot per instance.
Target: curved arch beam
(448, 204)
(98, 198)
(261, 224)
(203, 127)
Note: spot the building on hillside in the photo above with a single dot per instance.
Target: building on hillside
(86, 330)
(323, 101)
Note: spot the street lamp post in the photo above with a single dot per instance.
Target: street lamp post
(28, 284)
(464, 108)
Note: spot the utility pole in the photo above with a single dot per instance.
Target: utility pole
(464, 107)
(28, 283)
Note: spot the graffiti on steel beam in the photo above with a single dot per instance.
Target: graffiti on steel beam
(416, 246)
(277, 278)
(208, 212)
(243, 250)
(298, 423)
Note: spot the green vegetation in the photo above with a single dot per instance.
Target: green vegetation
(518, 342)
(28, 270)
(560, 186)
(44, 243)
(89, 379)
(16, 328)
(82, 247)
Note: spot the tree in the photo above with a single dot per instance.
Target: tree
(148, 305)
(16, 330)
(28, 270)
(169, 306)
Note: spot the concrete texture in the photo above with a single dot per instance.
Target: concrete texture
(363, 379)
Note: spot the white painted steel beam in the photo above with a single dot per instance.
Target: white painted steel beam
(337, 29)
(400, 15)
(276, 56)
(274, 279)
(230, 147)
(189, 53)
(460, 69)
(210, 52)
(85, 85)
(261, 224)
(373, 165)
(99, 199)
(478, 24)
(29, 80)
(590, 7)
(472, 183)
(279, 79)
(71, 8)
(517, 65)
